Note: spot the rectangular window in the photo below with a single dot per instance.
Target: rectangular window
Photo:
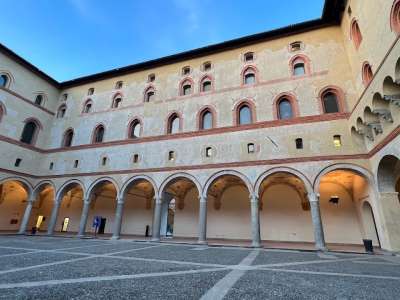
(135, 158)
(76, 163)
(171, 156)
(299, 143)
(209, 152)
(51, 166)
(18, 162)
(251, 148)
(337, 141)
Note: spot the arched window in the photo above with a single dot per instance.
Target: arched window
(299, 67)
(285, 110)
(68, 137)
(174, 124)
(116, 101)
(355, 33)
(249, 76)
(29, 133)
(61, 111)
(186, 88)
(245, 116)
(4, 80)
(367, 74)
(330, 102)
(395, 17)
(90, 91)
(149, 95)
(206, 84)
(206, 119)
(39, 100)
(87, 108)
(98, 134)
(135, 129)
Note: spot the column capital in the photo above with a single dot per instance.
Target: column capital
(313, 197)
(202, 198)
(157, 199)
(31, 199)
(120, 201)
(86, 201)
(253, 198)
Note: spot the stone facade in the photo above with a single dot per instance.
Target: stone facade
(233, 181)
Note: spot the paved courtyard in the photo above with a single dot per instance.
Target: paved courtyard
(66, 268)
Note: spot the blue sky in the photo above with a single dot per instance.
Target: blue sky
(72, 38)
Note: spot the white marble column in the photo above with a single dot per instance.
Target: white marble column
(118, 219)
(84, 217)
(317, 222)
(53, 218)
(156, 219)
(27, 215)
(255, 221)
(203, 220)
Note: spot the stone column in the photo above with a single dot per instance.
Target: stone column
(203, 220)
(27, 215)
(84, 217)
(53, 218)
(157, 219)
(255, 221)
(118, 219)
(317, 223)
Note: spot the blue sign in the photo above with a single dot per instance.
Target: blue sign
(96, 221)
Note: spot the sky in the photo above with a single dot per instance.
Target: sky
(72, 38)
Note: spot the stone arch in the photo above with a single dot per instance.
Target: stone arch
(136, 178)
(69, 184)
(39, 186)
(177, 176)
(215, 176)
(342, 166)
(291, 171)
(3, 110)
(388, 167)
(101, 180)
(24, 183)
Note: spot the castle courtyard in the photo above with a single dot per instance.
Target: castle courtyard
(38, 267)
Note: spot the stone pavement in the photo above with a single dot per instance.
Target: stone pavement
(70, 268)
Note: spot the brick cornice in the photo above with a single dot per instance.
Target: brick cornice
(26, 100)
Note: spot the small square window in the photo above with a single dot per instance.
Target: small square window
(299, 143)
(171, 155)
(251, 148)
(51, 167)
(18, 162)
(209, 152)
(207, 66)
(76, 164)
(337, 141)
(185, 70)
(64, 97)
(90, 91)
(249, 57)
(135, 158)
(151, 78)
(119, 85)
(296, 46)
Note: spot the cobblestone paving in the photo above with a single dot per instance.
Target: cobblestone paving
(68, 268)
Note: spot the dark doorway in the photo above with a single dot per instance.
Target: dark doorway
(102, 225)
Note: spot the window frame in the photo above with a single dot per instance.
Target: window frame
(172, 116)
(134, 122)
(65, 137)
(95, 132)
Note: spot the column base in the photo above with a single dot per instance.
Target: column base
(256, 245)
(202, 242)
(155, 239)
(322, 249)
(80, 236)
(115, 237)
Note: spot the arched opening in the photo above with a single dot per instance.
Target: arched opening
(186, 87)
(14, 195)
(249, 76)
(39, 99)
(369, 224)
(138, 207)
(61, 111)
(285, 214)
(135, 129)
(98, 134)
(244, 115)
(342, 196)
(367, 73)
(174, 124)
(206, 84)
(388, 173)
(355, 33)
(180, 208)
(206, 119)
(42, 207)
(285, 109)
(30, 132)
(391, 92)
(68, 138)
(71, 197)
(103, 203)
(228, 200)
(149, 94)
(4, 80)
(395, 17)
(330, 102)
(87, 108)
(117, 100)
